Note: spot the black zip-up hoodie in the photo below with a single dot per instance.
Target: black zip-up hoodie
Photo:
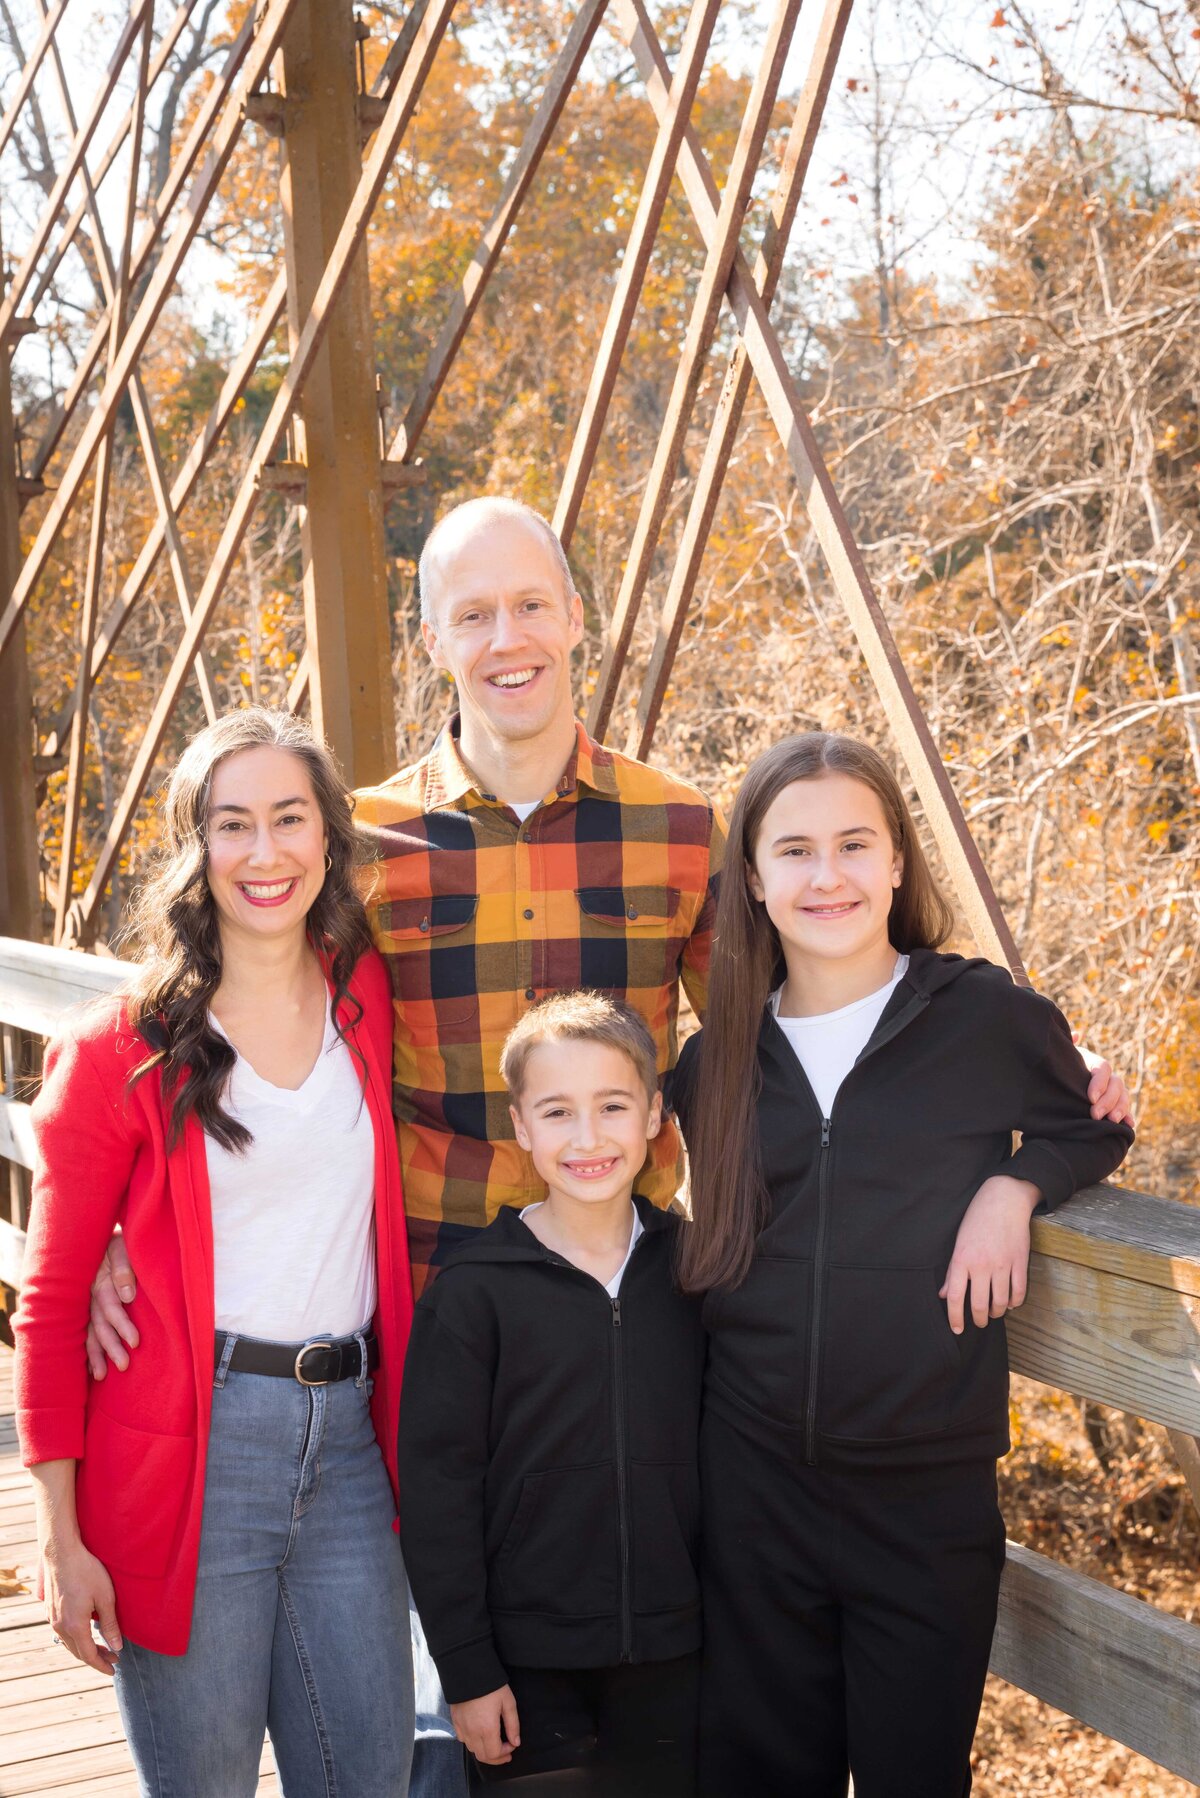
(549, 1509)
(836, 1348)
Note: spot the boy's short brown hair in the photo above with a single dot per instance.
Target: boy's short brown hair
(578, 1017)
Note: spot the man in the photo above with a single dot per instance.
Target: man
(517, 858)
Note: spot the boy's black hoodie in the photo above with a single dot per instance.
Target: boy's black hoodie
(836, 1347)
(549, 1509)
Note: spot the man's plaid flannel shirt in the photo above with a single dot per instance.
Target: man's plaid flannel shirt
(608, 884)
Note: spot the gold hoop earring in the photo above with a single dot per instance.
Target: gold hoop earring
(328, 862)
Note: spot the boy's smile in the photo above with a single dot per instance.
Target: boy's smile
(585, 1117)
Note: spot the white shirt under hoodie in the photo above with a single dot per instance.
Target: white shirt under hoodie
(294, 1215)
(828, 1045)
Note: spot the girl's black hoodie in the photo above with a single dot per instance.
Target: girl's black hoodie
(836, 1348)
(549, 1508)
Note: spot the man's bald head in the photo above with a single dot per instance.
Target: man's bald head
(469, 521)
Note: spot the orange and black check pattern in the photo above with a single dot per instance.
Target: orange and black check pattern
(608, 884)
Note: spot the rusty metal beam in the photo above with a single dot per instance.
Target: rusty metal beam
(660, 169)
(487, 251)
(73, 798)
(159, 212)
(264, 44)
(350, 237)
(29, 73)
(181, 490)
(108, 283)
(75, 155)
(346, 615)
(739, 375)
(66, 237)
(722, 248)
(960, 853)
(20, 911)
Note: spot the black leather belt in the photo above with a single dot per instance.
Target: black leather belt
(312, 1363)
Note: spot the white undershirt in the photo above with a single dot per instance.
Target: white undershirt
(524, 810)
(613, 1286)
(294, 1216)
(828, 1045)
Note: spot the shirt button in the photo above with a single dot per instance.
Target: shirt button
(527, 913)
(530, 993)
(632, 912)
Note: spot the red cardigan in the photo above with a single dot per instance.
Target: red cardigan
(141, 1437)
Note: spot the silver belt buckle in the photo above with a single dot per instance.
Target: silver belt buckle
(318, 1342)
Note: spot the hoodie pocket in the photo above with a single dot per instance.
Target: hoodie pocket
(759, 1338)
(890, 1363)
(665, 1527)
(560, 1552)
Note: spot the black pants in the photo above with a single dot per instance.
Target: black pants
(848, 1619)
(602, 1732)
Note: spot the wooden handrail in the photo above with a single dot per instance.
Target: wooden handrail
(39, 985)
(1113, 1314)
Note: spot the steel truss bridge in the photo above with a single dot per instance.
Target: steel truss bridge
(1114, 1307)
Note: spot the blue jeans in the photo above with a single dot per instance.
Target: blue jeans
(301, 1617)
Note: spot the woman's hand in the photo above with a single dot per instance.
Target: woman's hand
(488, 1726)
(77, 1586)
(991, 1252)
(77, 1589)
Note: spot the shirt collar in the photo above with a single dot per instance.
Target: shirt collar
(449, 780)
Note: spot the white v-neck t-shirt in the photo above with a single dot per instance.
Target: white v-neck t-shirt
(294, 1216)
(828, 1045)
(638, 1228)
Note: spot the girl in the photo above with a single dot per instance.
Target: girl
(854, 1409)
(223, 1508)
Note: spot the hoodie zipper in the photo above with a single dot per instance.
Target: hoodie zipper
(818, 1298)
(620, 1431)
(622, 1481)
(820, 1270)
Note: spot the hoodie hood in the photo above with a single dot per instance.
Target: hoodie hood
(929, 970)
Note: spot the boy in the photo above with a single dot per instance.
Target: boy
(548, 1433)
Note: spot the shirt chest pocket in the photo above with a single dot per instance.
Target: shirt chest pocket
(631, 937)
(429, 944)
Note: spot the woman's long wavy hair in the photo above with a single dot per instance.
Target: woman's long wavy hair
(174, 936)
(729, 1199)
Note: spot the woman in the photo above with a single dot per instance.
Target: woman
(849, 1110)
(225, 1507)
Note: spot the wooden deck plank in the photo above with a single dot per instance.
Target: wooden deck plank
(47, 1741)
(18, 1688)
(46, 1711)
(58, 1772)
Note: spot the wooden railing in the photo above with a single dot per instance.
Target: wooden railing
(1113, 1314)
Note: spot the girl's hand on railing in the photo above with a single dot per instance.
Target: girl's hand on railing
(991, 1252)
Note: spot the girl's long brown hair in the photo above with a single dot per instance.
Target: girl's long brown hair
(173, 932)
(729, 1199)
